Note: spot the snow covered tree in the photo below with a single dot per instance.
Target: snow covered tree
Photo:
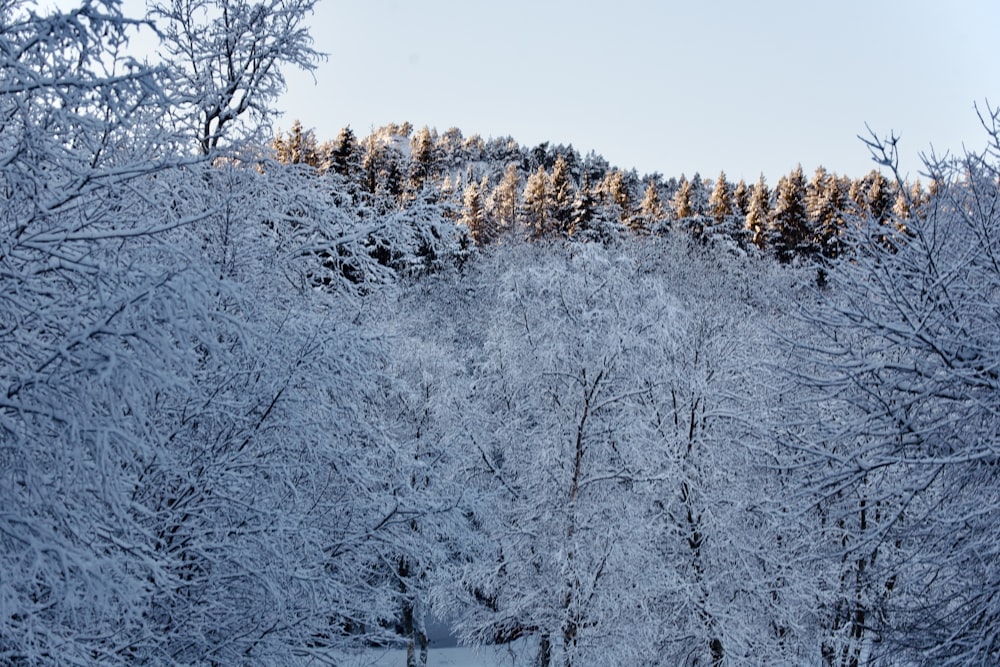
(907, 458)
(758, 212)
(179, 427)
(225, 59)
(616, 195)
(536, 203)
(788, 226)
(82, 314)
(720, 203)
(826, 208)
(561, 196)
(585, 205)
(299, 147)
(651, 209)
(422, 158)
(503, 202)
(345, 156)
(474, 214)
(741, 199)
(615, 481)
(880, 196)
(383, 167)
(681, 202)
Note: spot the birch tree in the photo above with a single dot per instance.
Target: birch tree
(907, 461)
(225, 59)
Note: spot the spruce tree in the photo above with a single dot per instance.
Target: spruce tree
(651, 210)
(858, 196)
(504, 199)
(825, 202)
(720, 203)
(422, 159)
(561, 197)
(616, 195)
(299, 147)
(474, 215)
(741, 199)
(789, 229)
(880, 196)
(699, 195)
(536, 203)
(585, 205)
(681, 202)
(345, 156)
(758, 212)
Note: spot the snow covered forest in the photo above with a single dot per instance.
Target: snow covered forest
(267, 400)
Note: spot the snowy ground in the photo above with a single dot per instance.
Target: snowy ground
(453, 656)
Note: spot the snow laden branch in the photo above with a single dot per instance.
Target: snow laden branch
(225, 62)
(906, 368)
(609, 417)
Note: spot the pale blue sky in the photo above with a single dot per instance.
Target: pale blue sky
(662, 86)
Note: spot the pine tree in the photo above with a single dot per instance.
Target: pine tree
(681, 202)
(504, 199)
(741, 199)
(918, 197)
(536, 203)
(901, 208)
(474, 214)
(561, 195)
(789, 228)
(880, 196)
(720, 203)
(345, 156)
(585, 205)
(616, 195)
(651, 210)
(299, 147)
(422, 159)
(858, 196)
(758, 212)
(699, 195)
(825, 203)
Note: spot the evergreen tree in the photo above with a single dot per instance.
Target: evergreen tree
(346, 156)
(585, 205)
(474, 214)
(382, 167)
(901, 207)
(880, 196)
(681, 202)
(536, 203)
(857, 196)
(758, 212)
(504, 199)
(699, 195)
(825, 203)
(449, 199)
(720, 203)
(741, 199)
(422, 159)
(651, 210)
(561, 196)
(918, 198)
(299, 147)
(616, 195)
(789, 228)
(449, 147)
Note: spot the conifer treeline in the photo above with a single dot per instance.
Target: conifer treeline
(496, 187)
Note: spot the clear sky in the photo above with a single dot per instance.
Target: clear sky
(673, 87)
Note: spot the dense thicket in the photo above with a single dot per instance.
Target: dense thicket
(268, 405)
